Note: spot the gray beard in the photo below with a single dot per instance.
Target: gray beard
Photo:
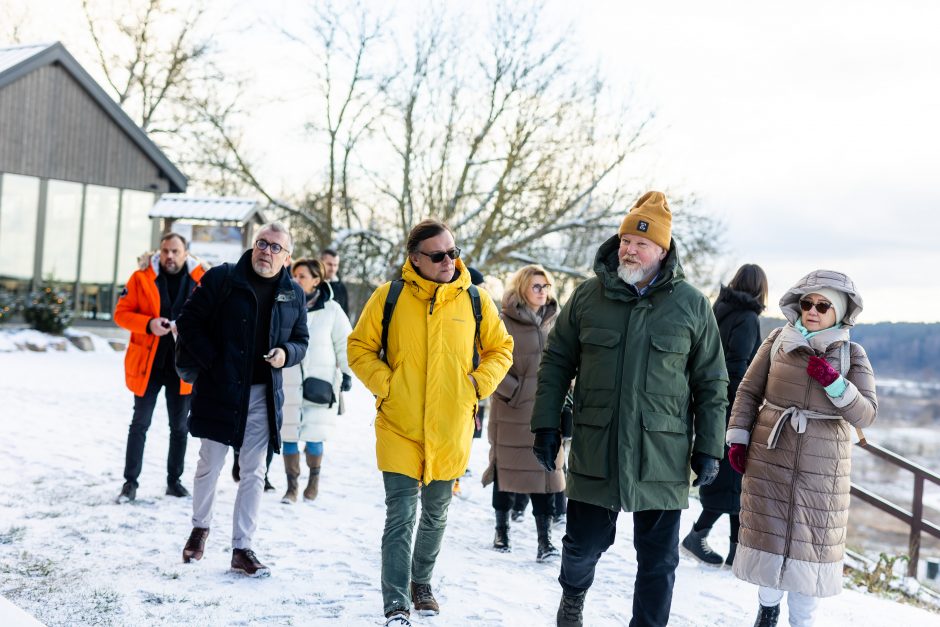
(635, 274)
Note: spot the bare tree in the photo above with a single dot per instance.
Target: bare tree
(159, 64)
(516, 147)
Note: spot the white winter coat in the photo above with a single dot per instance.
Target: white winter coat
(325, 359)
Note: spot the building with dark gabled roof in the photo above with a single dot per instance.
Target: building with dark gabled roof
(78, 179)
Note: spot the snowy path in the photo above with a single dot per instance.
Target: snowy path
(70, 556)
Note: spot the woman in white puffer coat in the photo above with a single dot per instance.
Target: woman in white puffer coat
(306, 421)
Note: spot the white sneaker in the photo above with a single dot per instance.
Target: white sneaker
(398, 619)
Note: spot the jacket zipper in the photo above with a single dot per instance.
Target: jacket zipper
(428, 456)
(796, 472)
(246, 396)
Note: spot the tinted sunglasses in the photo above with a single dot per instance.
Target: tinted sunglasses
(822, 306)
(538, 288)
(438, 257)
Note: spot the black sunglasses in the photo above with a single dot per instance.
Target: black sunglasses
(822, 306)
(438, 257)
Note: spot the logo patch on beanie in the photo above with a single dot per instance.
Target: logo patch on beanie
(643, 226)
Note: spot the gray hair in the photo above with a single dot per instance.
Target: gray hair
(277, 227)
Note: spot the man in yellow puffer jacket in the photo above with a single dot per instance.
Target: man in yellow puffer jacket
(426, 400)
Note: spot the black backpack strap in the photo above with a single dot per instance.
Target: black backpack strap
(391, 299)
(477, 317)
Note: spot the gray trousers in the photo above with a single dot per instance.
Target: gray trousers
(251, 460)
(399, 566)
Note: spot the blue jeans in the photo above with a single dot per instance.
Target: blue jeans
(312, 448)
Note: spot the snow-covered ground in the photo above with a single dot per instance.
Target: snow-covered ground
(70, 556)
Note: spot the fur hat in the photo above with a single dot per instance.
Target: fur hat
(839, 300)
(650, 218)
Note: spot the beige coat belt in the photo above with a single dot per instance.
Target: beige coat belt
(798, 418)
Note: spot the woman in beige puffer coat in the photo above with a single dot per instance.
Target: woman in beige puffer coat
(529, 312)
(791, 434)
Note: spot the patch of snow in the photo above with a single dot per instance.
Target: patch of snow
(70, 555)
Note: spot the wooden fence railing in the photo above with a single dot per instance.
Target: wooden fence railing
(915, 517)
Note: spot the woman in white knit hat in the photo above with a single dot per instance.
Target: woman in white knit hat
(790, 435)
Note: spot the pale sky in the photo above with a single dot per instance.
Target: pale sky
(811, 128)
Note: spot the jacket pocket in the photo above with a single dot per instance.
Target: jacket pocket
(665, 369)
(590, 443)
(599, 353)
(665, 448)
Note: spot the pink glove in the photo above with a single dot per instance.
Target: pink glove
(737, 457)
(819, 369)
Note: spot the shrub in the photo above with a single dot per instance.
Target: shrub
(48, 311)
(9, 305)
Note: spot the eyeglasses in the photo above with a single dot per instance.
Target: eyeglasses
(438, 257)
(538, 288)
(822, 306)
(265, 245)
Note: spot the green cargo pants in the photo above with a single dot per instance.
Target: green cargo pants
(399, 565)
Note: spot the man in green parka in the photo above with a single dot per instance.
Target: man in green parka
(650, 402)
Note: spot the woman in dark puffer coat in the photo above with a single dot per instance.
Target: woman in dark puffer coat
(737, 309)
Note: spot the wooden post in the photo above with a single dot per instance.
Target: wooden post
(917, 514)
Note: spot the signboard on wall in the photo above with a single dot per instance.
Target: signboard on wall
(213, 243)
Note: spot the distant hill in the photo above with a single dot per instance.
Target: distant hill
(908, 350)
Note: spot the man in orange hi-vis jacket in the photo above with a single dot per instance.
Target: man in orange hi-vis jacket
(148, 306)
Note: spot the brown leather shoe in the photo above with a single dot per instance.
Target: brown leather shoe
(196, 545)
(425, 603)
(245, 561)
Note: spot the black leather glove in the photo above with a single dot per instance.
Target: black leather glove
(346, 385)
(547, 443)
(705, 467)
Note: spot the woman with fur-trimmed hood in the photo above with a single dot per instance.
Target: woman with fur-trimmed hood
(791, 437)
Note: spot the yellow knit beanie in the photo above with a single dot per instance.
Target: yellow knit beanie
(650, 218)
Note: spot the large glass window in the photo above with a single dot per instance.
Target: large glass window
(60, 243)
(99, 234)
(136, 231)
(19, 208)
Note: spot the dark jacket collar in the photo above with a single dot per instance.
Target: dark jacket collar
(243, 268)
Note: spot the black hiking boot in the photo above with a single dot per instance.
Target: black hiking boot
(128, 492)
(501, 540)
(176, 489)
(696, 545)
(546, 550)
(767, 616)
(571, 610)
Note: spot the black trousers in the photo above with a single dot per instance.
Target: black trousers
(591, 530)
(542, 504)
(177, 406)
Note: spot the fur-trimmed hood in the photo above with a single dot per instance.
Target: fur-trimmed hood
(790, 302)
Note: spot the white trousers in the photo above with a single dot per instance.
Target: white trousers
(801, 609)
(251, 462)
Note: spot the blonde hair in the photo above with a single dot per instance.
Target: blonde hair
(519, 281)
